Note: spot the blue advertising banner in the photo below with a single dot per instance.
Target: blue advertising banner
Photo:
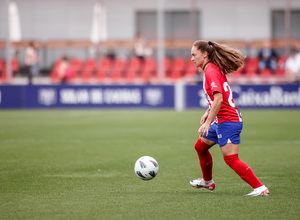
(142, 96)
(75, 96)
(250, 96)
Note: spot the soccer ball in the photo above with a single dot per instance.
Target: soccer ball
(146, 168)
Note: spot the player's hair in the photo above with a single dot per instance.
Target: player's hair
(227, 59)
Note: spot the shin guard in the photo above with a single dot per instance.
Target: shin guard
(243, 170)
(205, 158)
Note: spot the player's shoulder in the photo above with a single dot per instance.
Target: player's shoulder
(212, 69)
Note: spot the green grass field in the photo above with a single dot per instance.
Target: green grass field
(78, 164)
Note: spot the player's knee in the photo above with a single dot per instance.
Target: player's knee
(200, 146)
(229, 160)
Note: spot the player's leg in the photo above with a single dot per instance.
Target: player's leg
(202, 147)
(231, 157)
(229, 133)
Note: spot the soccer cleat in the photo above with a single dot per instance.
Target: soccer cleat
(201, 183)
(260, 191)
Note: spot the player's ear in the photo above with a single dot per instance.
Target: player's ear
(205, 54)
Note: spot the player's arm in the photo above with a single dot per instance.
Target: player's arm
(204, 117)
(218, 99)
(215, 107)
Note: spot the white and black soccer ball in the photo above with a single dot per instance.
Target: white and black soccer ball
(146, 168)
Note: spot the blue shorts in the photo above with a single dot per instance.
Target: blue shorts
(226, 132)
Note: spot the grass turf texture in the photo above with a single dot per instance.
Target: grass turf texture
(78, 164)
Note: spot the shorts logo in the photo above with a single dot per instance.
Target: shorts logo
(219, 135)
(229, 141)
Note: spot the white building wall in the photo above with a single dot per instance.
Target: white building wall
(71, 19)
(240, 19)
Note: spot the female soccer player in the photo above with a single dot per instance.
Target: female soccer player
(222, 123)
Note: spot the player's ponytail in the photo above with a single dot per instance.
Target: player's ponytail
(225, 58)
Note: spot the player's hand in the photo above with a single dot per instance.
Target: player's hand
(203, 118)
(203, 130)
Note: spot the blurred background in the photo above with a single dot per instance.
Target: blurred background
(140, 41)
(136, 53)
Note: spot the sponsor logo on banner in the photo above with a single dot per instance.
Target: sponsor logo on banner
(100, 96)
(274, 97)
(74, 96)
(47, 96)
(259, 96)
(153, 96)
(122, 96)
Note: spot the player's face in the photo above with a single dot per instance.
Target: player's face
(198, 57)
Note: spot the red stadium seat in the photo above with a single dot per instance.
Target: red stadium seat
(281, 62)
(175, 75)
(2, 65)
(134, 64)
(4, 76)
(54, 76)
(265, 75)
(147, 76)
(280, 72)
(190, 66)
(119, 65)
(149, 64)
(178, 64)
(250, 76)
(86, 76)
(116, 76)
(131, 76)
(76, 67)
(89, 65)
(54, 72)
(252, 60)
(280, 76)
(101, 76)
(76, 64)
(15, 65)
(90, 62)
(105, 64)
(88, 70)
(252, 64)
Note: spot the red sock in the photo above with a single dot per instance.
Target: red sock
(243, 170)
(205, 158)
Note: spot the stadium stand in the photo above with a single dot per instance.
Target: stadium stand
(132, 70)
(136, 71)
(14, 66)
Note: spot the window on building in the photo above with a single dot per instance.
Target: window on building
(178, 24)
(278, 24)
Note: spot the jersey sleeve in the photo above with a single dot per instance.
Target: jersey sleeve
(214, 81)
